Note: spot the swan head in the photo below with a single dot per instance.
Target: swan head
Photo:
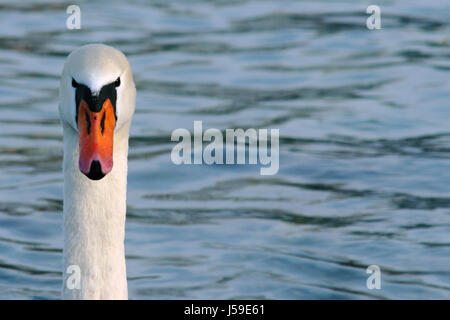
(97, 95)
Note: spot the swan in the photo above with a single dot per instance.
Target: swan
(96, 105)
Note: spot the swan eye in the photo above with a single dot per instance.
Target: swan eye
(117, 82)
(74, 83)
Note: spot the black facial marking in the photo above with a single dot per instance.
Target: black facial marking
(117, 82)
(102, 123)
(88, 123)
(95, 101)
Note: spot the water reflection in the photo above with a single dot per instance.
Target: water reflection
(363, 148)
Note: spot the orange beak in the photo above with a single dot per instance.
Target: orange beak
(96, 132)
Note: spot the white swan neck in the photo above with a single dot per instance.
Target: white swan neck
(94, 224)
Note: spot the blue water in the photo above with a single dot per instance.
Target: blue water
(364, 147)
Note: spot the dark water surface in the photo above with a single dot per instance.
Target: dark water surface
(364, 147)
